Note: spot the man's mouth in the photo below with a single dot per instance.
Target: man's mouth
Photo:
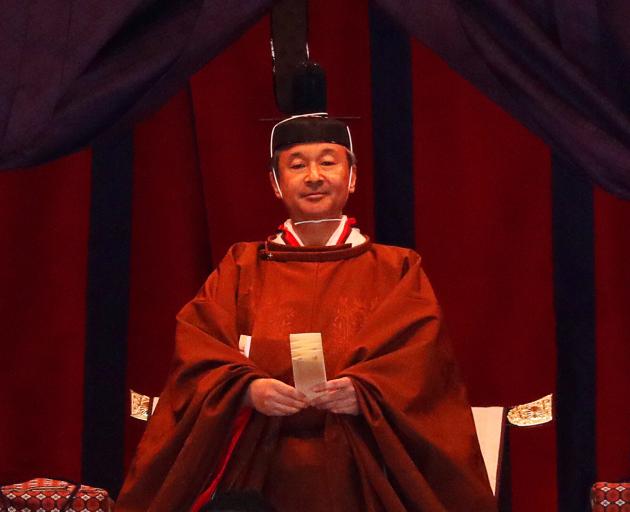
(314, 195)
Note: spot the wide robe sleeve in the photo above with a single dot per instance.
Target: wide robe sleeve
(202, 397)
(414, 443)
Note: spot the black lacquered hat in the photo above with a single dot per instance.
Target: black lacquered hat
(305, 128)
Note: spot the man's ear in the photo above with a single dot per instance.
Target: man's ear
(274, 184)
(353, 180)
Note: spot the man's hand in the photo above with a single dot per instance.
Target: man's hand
(274, 398)
(338, 396)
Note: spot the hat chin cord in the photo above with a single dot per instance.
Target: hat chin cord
(277, 184)
(318, 221)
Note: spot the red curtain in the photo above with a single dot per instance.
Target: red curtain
(44, 216)
(612, 282)
(483, 226)
(170, 254)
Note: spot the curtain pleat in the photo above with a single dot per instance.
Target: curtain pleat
(74, 71)
(552, 65)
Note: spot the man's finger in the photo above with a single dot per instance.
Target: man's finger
(342, 400)
(329, 406)
(343, 382)
(290, 402)
(284, 410)
(332, 385)
(346, 410)
(323, 399)
(340, 403)
(330, 398)
(289, 391)
(335, 394)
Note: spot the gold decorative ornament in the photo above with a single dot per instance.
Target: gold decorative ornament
(140, 406)
(533, 413)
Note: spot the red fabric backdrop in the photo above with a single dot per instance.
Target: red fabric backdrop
(170, 253)
(44, 216)
(483, 226)
(612, 281)
(483, 223)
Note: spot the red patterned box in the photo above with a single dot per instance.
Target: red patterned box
(44, 494)
(609, 497)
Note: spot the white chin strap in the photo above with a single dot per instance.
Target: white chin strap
(318, 221)
(277, 184)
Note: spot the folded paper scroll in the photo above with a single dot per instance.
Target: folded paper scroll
(307, 356)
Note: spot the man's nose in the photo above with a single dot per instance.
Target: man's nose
(313, 173)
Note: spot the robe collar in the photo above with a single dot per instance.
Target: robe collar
(345, 242)
(272, 251)
(346, 233)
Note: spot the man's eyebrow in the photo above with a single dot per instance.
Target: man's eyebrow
(299, 154)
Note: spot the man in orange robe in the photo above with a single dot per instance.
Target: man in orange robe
(391, 430)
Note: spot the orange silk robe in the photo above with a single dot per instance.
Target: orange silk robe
(412, 448)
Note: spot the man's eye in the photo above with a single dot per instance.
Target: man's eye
(296, 165)
(328, 162)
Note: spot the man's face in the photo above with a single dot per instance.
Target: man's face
(314, 180)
